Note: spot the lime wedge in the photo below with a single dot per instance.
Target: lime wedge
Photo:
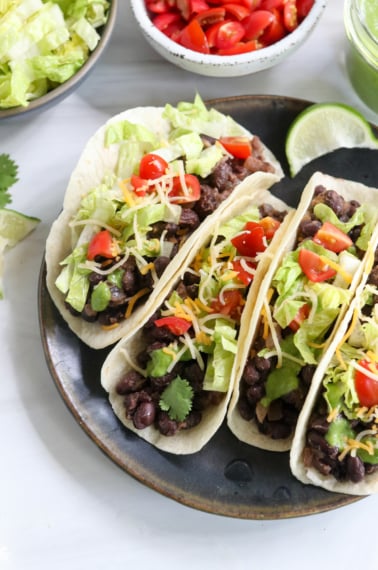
(322, 128)
(14, 227)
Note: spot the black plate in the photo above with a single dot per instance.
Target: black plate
(226, 477)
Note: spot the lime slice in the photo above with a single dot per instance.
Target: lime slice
(322, 128)
(14, 227)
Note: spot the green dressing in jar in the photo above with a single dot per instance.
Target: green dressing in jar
(361, 25)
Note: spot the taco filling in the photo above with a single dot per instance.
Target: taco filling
(128, 229)
(309, 289)
(188, 347)
(342, 433)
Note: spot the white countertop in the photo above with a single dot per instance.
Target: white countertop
(63, 503)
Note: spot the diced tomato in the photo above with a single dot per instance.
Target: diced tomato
(178, 195)
(366, 387)
(290, 15)
(275, 31)
(301, 316)
(250, 241)
(270, 226)
(303, 7)
(256, 23)
(332, 238)
(229, 34)
(157, 6)
(140, 185)
(227, 27)
(239, 147)
(312, 265)
(193, 37)
(152, 166)
(271, 4)
(176, 325)
(211, 16)
(101, 245)
(238, 11)
(245, 276)
(231, 305)
(240, 47)
(164, 21)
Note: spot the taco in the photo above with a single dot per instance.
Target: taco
(336, 441)
(170, 382)
(304, 296)
(144, 184)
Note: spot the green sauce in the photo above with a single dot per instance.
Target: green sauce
(361, 24)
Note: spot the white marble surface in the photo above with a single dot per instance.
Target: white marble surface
(63, 504)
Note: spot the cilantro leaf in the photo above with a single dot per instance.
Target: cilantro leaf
(177, 399)
(8, 177)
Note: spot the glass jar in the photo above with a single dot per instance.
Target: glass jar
(361, 26)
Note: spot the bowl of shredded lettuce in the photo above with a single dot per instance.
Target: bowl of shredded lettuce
(47, 48)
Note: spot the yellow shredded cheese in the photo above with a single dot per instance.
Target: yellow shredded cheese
(346, 276)
(133, 300)
(127, 195)
(144, 270)
(109, 327)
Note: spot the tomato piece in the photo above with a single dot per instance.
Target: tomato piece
(270, 226)
(239, 147)
(332, 238)
(101, 245)
(303, 8)
(271, 4)
(245, 276)
(240, 47)
(301, 316)
(237, 11)
(198, 6)
(152, 166)
(140, 185)
(256, 23)
(290, 15)
(184, 7)
(176, 325)
(229, 34)
(212, 32)
(157, 6)
(275, 31)
(312, 265)
(193, 37)
(163, 21)
(366, 387)
(211, 16)
(230, 304)
(180, 195)
(250, 241)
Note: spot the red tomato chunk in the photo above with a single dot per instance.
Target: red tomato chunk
(227, 27)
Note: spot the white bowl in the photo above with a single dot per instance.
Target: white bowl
(225, 66)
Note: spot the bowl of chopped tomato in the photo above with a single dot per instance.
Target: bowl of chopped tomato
(226, 38)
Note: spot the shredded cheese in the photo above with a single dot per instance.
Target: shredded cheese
(131, 363)
(328, 262)
(133, 300)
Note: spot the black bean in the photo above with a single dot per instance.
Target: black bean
(255, 393)
(165, 425)
(130, 382)
(355, 468)
(250, 374)
(144, 415)
(161, 263)
(89, 314)
(189, 219)
(118, 296)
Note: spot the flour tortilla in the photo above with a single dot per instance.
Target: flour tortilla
(117, 365)
(247, 431)
(309, 475)
(95, 162)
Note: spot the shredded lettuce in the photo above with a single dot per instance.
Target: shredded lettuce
(43, 43)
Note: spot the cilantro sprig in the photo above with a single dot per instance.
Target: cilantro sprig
(8, 177)
(177, 399)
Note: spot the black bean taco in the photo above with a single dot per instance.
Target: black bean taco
(170, 382)
(146, 181)
(336, 441)
(304, 296)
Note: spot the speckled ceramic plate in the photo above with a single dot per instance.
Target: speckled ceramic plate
(226, 477)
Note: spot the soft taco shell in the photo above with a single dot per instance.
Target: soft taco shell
(247, 431)
(116, 365)
(95, 162)
(309, 475)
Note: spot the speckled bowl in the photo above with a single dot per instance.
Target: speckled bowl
(66, 88)
(225, 66)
